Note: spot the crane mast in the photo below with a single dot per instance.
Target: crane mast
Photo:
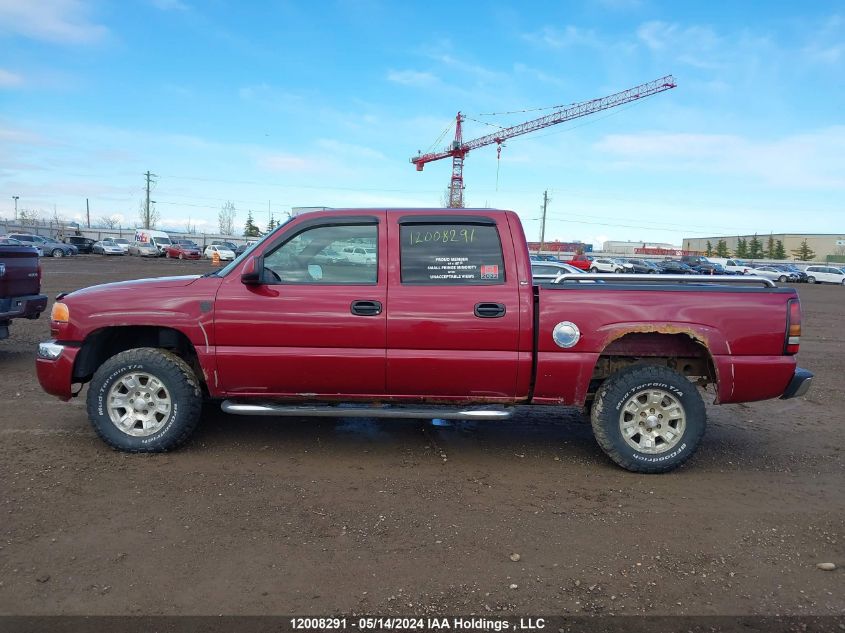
(459, 149)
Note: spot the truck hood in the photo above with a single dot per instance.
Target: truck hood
(136, 286)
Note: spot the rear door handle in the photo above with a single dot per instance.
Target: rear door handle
(366, 308)
(489, 310)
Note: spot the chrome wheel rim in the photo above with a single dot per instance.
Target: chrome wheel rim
(652, 421)
(139, 404)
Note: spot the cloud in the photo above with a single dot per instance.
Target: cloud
(58, 21)
(568, 36)
(335, 148)
(811, 160)
(9, 79)
(413, 78)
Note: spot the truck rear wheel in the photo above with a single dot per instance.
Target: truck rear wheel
(648, 419)
(144, 400)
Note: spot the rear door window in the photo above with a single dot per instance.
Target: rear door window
(452, 254)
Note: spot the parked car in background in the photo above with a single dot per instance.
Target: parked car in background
(544, 258)
(547, 272)
(733, 265)
(610, 265)
(48, 245)
(694, 260)
(122, 242)
(359, 254)
(183, 249)
(5, 240)
(107, 247)
(825, 275)
(143, 249)
(225, 244)
(711, 268)
(240, 249)
(674, 267)
(642, 266)
(83, 244)
(224, 252)
(792, 268)
(581, 262)
(770, 272)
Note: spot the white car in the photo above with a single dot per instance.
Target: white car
(610, 265)
(733, 265)
(359, 255)
(775, 274)
(825, 275)
(224, 253)
(123, 243)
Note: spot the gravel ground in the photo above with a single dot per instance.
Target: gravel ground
(319, 516)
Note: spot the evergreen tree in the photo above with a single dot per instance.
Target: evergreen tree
(250, 228)
(741, 248)
(722, 249)
(755, 248)
(770, 247)
(780, 252)
(709, 250)
(271, 224)
(804, 253)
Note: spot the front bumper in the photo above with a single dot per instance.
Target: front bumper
(54, 366)
(799, 385)
(29, 306)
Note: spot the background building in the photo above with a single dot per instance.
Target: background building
(826, 246)
(639, 247)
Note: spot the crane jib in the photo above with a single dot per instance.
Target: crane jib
(460, 148)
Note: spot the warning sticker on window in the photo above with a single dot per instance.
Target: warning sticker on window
(489, 271)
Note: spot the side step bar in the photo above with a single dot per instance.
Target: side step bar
(363, 411)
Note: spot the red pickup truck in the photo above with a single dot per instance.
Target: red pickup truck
(443, 322)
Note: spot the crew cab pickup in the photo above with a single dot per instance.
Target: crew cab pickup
(443, 322)
(20, 285)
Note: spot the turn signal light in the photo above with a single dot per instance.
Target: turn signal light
(60, 313)
(793, 327)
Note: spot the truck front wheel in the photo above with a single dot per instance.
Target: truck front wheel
(144, 400)
(648, 419)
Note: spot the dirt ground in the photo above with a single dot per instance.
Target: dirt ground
(305, 516)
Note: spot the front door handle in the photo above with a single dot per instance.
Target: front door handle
(366, 308)
(489, 310)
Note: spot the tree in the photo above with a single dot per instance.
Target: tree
(29, 216)
(190, 227)
(779, 253)
(722, 249)
(804, 253)
(709, 250)
(272, 224)
(108, 221)
(250, 228)
(148, 220)
(741, 248)
(770, 247)
(226, 218)
(755, 248)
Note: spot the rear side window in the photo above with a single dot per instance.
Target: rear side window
(451, 254)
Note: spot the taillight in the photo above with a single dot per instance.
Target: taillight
(793, 327)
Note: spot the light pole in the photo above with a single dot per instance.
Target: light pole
(15, 198)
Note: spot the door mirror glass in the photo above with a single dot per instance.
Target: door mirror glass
(315, 271)
(251, 273)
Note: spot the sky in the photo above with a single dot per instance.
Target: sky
(275, 105)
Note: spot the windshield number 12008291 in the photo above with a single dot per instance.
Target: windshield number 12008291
(466, 236)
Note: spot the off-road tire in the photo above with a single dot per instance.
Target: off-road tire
(176, 376)
(616, 391)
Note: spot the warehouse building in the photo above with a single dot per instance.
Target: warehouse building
(631, 248)
(826, 246)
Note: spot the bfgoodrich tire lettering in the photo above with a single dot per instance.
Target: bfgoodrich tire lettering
(619, 393)
(183, 393)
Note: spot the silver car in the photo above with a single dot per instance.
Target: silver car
(143, 249)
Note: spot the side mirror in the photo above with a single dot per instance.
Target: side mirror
(251, 273)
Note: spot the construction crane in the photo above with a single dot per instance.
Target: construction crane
(460, 148)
